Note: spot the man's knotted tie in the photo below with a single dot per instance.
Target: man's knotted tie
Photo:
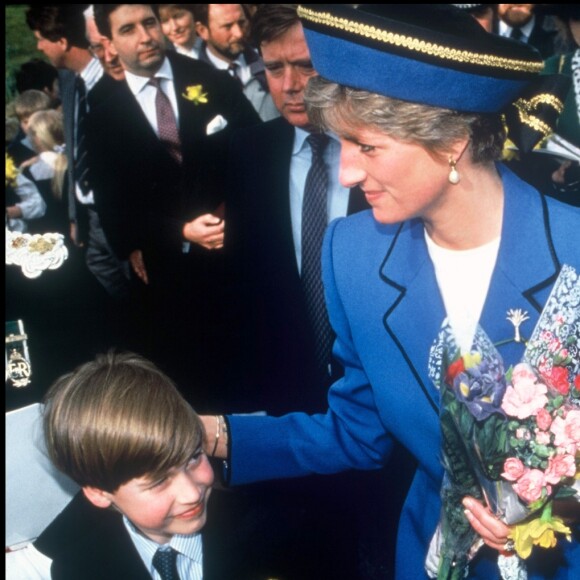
(165, 562)
(166, 122)
(314, 222)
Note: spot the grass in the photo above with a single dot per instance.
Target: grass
(20, 44)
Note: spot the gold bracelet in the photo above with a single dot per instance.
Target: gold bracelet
(217, 435)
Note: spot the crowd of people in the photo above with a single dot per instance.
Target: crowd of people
(193, 156)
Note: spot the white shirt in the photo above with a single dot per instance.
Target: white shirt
(337, 195)
(31, 203)
(189, 548)
(189, 52)
(463, 277)
(146, 93)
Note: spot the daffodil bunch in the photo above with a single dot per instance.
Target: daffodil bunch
(11, 171)
(539, 531)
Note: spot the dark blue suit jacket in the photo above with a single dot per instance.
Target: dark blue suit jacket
(276, 346)
(143, 196)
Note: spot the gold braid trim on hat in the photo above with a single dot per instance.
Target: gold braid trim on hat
(526, 106)
(417, 45)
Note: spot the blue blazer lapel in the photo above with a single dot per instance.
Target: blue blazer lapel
(525, 271)
(416, 314)
(526, 267)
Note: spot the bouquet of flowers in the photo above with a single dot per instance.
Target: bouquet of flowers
(510, 438)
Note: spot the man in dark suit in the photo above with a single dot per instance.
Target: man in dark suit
(61, 35)
(266, 240)
(158, 148)
(525, 23)
(268, 168)
(224, 29)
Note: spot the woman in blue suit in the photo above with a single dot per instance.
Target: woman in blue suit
(452, 233)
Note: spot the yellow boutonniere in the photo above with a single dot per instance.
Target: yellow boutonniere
(195, 94)
(11, 171)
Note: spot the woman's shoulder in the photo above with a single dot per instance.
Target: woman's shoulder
(359, 236)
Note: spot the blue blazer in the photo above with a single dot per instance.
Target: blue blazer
(386, 309)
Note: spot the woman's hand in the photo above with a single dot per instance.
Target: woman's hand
(216, 436)
(491, 529)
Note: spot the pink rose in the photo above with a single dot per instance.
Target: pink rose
(529, 487)
(543, 419)
(523, 433)
(524, 398)
(513, 469)
(567, 431)
(560, 466)
(542, 438)
(523, 371)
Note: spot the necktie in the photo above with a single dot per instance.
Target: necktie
(165, 562)
(166, 122)
(81, 169)
(314, 221)
(233, 70)
(517, 34)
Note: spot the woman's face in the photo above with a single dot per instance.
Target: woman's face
(178, 26)
(400, 180)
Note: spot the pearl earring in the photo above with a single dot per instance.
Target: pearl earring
(453, 173)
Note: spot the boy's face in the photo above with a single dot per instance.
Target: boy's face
(176, 504)
(24, 122)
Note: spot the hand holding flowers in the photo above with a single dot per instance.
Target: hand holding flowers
(513, 438)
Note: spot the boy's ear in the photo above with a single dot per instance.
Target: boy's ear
(97, 497)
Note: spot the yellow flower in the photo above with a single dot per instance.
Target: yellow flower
(11, 170)
(195, 94)
(471, 359)
(539, 532)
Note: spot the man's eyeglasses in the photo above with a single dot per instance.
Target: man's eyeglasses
(97, 50)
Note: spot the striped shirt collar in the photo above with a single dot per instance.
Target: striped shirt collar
(92, 73)
(189, 546)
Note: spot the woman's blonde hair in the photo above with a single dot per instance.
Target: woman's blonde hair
(48, 129)
(117, 418)
(333, 106)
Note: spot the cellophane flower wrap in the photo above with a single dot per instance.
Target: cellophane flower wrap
(509, 437)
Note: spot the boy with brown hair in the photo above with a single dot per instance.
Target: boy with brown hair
(120, 429)
(25, 105)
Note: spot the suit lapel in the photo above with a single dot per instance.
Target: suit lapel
(283, 139)
(525, 271)
(413, 296)
(526, 266)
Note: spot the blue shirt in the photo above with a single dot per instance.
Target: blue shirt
(337, 197)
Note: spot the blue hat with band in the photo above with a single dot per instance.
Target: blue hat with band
(437, 55)
(434, 54)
